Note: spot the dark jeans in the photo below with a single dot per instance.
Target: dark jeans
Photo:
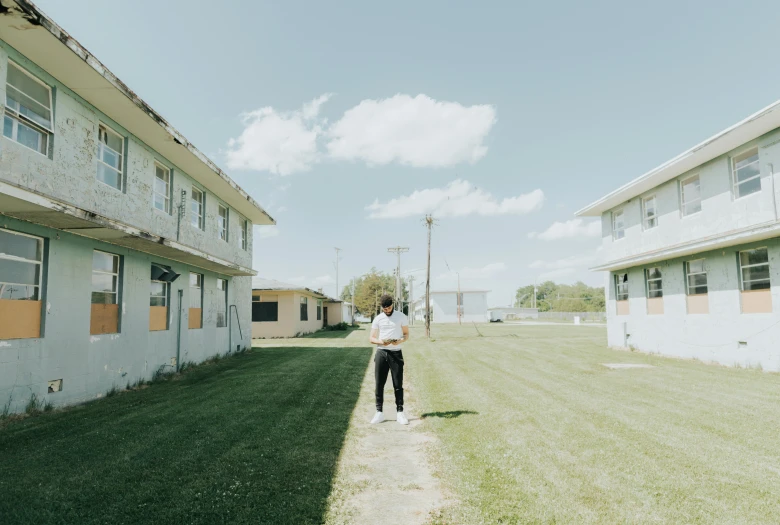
(393, 361)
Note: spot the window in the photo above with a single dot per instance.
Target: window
(21, 262)
(304, 308)
(158, 305)
(654, 283)
(649, 213)
(159, 294)
(197, 204)
(265, 308)
(162, 188)
(621, 287)
(28, 115)
(690, 194)
(747, 175)
(222, 305)
(244, 233)
(618, 225)
(754, 269)
(196, 301)
(222, 223)
(105, 293)
(696, 277)
(111, 147)
(319, 309)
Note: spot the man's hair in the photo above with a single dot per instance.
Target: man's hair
(386, 300)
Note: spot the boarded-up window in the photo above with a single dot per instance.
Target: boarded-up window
(158, 305)
(756, 283)
(222, 302)
(196, 301)
(21, 258)
(105, 293)
(265, 308)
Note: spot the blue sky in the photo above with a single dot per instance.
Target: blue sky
(511, 115)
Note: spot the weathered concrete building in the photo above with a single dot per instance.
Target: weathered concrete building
(451, 306)
(123, 249)
(692, 248)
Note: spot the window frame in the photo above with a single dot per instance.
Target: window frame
(169, 185)
(688, 275)
(117, 274)
(166, 293)
(198, 287)
(619, 286)
(735, 183)
(682, 196)
(258, 299)
(304, 308)
(39, 285)
(17, 117)
(622, 213)
(201, 223)
(224, 292)
(659, 279)
(319, 309)
(645, 218)
(244, 234)
(742, 268)
(121, 155)
(225, 228)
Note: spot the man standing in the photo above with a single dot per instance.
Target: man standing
(389, 331)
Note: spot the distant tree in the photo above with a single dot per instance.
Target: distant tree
(577, 297)
(368, 288)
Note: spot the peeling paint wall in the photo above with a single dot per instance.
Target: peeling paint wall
(69, 174)
(91, 365)
(713, 337)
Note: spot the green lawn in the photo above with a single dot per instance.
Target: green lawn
(533, 429)
(251, 439)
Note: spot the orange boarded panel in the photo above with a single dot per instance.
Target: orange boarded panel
(20, 319)
(104, 319)
(655, 306)
(699, 304)
(195, 320)
(757, 302)
(622, 308)
(158, 318)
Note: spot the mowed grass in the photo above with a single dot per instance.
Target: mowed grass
(254, 438)
(533, 429)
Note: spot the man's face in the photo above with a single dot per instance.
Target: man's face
(388, 310)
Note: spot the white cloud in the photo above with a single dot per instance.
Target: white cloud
(568, 266)
(278, 142)
(265, 232)
(296, 280)
(485, 272)
(459, 198)
(573, 229)
(414, 131)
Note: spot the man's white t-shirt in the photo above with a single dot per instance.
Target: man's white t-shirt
(390, 328)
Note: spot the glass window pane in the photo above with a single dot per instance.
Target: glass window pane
(22, 82)
(19, 272)
(751, 186)
(697, 280)
(159, 202)
(653, 273)
(757, 285)
(109, 176)
(8, 126)
(114, 141)
(160, 186)
(105, 262)
(748, 157)
(109, 156)
(756, 273)
(103, 298)
(18, 292)
(157, 288)
(157, 301)
(20, 246)
(758, 256)
(696, 266)
(746, 172)
(29, 137)
(103, 282)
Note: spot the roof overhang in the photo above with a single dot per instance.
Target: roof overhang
(32, 33)
(35, 208)
(757, 233)
(751, 128)
(301, 289)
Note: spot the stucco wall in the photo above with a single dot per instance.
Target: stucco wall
(713, 337)
(69, 174)
(91, 365)
(285, 325)
(721, 212)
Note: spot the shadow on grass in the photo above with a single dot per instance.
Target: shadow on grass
(331, 334)
(448, 415)
(251, 439)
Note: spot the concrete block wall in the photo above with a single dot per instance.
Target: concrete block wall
(713, 337)
(91, 365)
(69, 174)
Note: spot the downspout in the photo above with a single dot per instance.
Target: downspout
(774, 195)
(178, 332)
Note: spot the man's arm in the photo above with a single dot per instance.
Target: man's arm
(374, 338)
(406, 335)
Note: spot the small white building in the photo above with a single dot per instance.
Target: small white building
(504, 313)
(446, 306)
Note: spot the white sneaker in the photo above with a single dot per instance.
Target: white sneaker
(378, 418)
(401, 418)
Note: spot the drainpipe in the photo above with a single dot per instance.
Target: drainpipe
(774, 195)
(178, 332)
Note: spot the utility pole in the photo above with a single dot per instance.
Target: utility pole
(429, 224)
(399, 296)
(459, 301)
(338, 293)
(411, 298)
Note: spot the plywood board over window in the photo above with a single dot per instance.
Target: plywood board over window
(195, 319)
(104, 318)
(21, 261)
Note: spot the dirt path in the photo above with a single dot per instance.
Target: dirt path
(384, 475)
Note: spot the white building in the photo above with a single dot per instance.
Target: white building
(692, 248)
(444, 306)
(503, 313)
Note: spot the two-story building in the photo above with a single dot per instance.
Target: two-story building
(124, 251)
(692, 248)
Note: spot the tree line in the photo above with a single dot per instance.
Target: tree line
(369, 288)
(550, 296)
